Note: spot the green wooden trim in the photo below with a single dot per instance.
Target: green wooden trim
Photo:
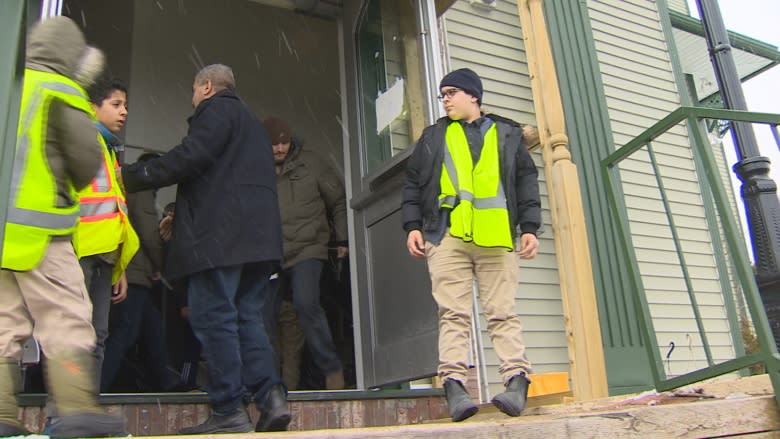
(12, 36)
(687, 98)
(39, 399)
(738, 41)
(590, 140)
(674, 54)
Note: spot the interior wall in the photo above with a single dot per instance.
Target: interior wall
(107, 25)
(286, 65)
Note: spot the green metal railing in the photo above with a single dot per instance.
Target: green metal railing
(767, 353)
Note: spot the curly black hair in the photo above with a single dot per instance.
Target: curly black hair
(103, 88)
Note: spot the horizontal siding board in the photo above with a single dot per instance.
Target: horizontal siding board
(616, 67)
(630, 10)
(679, 311)
(644, 56)
(647, 216)
(656, 296)
(673, 269)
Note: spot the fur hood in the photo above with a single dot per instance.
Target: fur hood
(57, 45)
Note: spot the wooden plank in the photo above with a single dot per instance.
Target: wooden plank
(692, 420)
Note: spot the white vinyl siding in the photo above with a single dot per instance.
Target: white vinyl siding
(489, 41)
(679, 6)
(640, 89)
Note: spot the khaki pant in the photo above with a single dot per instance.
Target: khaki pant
(453, 266)
(49, 302)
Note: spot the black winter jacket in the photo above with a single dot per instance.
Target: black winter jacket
(227, 211)
(419, 208)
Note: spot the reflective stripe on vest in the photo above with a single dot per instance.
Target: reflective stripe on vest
(101, 207)
(102, 180)
(103, 211)
(475, 193)
(33, 215)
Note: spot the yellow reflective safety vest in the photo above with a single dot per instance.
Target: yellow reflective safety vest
(103, 223)
(475, 192)
(33, 216)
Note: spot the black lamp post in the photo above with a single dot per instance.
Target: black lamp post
(759, 191)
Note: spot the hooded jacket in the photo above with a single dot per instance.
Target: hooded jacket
(72, 146)
(311, 198)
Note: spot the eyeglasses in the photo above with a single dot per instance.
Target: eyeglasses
(448, 93)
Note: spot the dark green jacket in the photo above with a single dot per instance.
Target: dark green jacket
(145, 220)
(311, 201)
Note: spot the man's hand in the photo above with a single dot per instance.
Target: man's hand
(528, 246)
(119, 290)
(166, 227)
(342, 252)
(415, 244)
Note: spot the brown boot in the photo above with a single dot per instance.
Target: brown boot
(10, 386)
(71, 381)
(335, 380)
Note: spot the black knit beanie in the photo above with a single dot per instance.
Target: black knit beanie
(464, 79)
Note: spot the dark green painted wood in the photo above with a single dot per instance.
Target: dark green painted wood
(590, 140)
(12, 32)
(738, 41)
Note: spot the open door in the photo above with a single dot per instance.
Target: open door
(388, 52)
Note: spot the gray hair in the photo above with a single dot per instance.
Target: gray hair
(220, 75)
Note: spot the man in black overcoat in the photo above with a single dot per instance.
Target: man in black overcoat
(226, 242)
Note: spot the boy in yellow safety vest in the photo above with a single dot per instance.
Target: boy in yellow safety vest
(105, 240)
(471, 208)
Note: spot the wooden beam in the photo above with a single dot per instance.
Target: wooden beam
(414, 81)
(442, 6)
(586, 353)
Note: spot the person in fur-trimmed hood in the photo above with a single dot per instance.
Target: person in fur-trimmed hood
(41, 284)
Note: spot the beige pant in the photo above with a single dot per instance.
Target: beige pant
(49, 302)
(453, 266)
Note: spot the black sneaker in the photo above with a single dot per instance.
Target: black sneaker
(237, 422)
